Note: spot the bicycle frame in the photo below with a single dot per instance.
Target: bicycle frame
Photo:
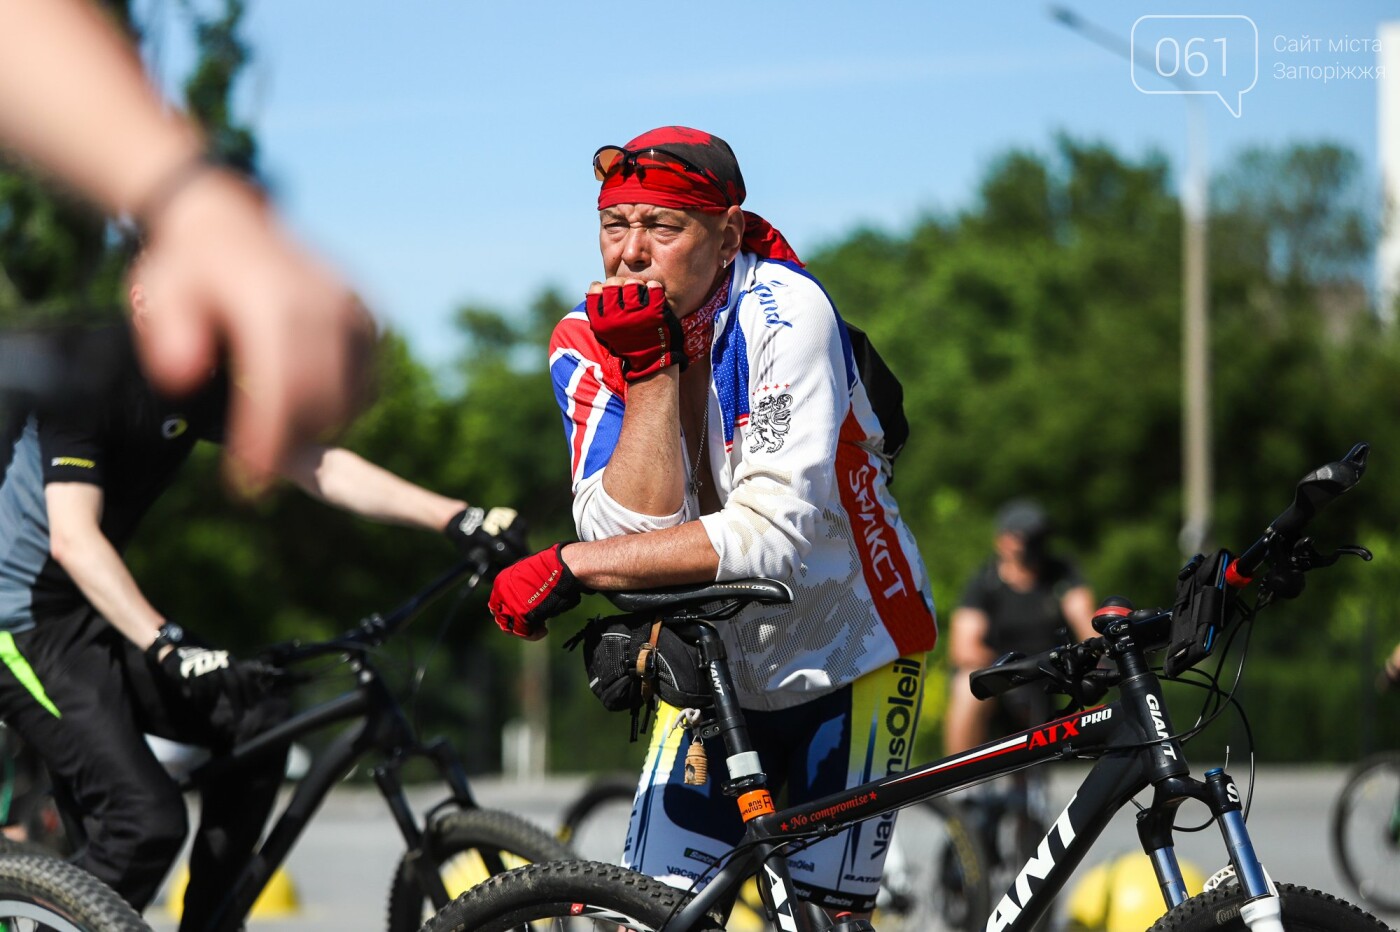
(382, 728)
(1131, 738)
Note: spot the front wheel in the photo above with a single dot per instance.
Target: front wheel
(1304, 910)
(45, 894)
(468, 845)
(572, 896)
(1366, 831)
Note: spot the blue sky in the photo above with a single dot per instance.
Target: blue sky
(439, 151)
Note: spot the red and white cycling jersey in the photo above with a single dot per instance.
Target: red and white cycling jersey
(794, 449)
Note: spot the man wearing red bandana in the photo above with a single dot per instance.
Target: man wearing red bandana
(718, 429)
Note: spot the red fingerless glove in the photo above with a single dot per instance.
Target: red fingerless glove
(529, 593)
(637, 325)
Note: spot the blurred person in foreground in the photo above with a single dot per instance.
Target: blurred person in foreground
(719, 429)
(88, 664)
(74, 99)
(1024, 598)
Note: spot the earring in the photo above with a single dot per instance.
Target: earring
(724, 263)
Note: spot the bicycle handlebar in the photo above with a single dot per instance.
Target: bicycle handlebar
(376, 629)
(1315, 490)
(1066, 664)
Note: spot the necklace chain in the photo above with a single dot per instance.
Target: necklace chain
(694, 490)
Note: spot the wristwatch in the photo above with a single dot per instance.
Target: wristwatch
(168, 634)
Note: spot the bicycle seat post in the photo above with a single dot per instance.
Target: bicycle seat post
(741, 759)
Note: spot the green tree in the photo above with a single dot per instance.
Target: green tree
(1037, 334)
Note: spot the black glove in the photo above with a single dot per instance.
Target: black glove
(498, 535)
(206, 677)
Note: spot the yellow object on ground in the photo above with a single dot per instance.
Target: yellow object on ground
(1122, 895)
(277, 901)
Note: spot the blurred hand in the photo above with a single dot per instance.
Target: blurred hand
(498, 534)
(298, 340)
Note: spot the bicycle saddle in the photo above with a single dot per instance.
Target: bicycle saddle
(743, 591)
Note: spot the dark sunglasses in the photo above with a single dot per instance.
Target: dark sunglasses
(609, 160)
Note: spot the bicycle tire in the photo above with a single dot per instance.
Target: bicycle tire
(470, 845)
(1366, 831)
(1304, 910)
(581, 894)
(59, 897)
(579, 823)
(952, 890)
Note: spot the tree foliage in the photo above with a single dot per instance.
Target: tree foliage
(1037, 333)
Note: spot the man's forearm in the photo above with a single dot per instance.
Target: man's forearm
(646, 472)
(115, 146)
(351, 483)
(102, 577)
(643, 561)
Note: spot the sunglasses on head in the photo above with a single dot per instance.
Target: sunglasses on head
(610, 160)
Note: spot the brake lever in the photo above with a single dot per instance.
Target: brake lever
(1306, 556)
(1287, 580)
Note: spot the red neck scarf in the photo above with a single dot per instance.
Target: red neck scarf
(699, 328)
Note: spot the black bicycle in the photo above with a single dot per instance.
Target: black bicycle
(936, 876)
(458, 843)
(1136, 747)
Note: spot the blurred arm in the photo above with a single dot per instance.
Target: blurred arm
(351, 483)
(74, 98)
(1078, 607)
(967, 639)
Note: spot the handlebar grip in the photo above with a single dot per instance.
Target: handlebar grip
(1010, 670)
(1315, 491)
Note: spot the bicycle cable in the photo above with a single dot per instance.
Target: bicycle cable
(420, 671)
(1210, 682)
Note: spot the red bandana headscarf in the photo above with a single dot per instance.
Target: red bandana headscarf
(687, 169)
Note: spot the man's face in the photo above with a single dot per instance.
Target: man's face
(681, 249)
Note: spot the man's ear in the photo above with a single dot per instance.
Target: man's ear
(733, 233)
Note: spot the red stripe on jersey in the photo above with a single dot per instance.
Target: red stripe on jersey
(582, 404)
(892, 586)
(574, 333)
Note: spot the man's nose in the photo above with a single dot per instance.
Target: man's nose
(636, 250)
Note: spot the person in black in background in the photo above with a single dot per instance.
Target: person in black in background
(1023, 599)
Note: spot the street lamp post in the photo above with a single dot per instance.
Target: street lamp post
(1196, 456)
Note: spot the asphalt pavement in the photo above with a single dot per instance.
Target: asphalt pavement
(341, 868)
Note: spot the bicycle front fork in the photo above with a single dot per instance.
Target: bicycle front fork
(1261, 911)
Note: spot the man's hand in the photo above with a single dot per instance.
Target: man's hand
(499, 533)
(299, 341)
(636, 324)
(533, 591)
(204, 676)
